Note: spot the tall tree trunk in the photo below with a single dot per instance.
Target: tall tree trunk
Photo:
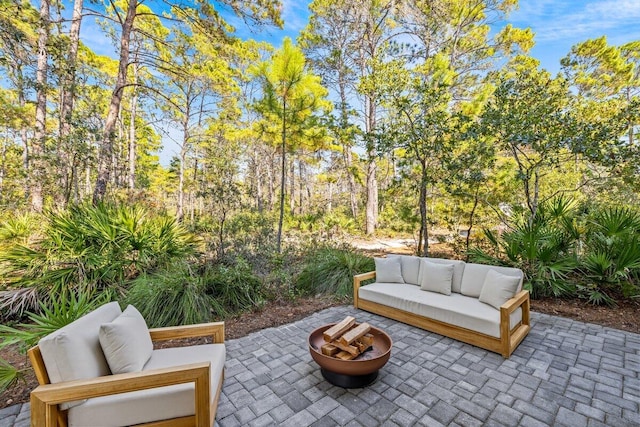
(132, 130)
(40, 135)
(631, 125)
(67, 95)
(258, 178)
(3, 160)
(283, 174)
(24, 136)
(472, 215)
(292, 186)
(347, 156)
(106, 145)
(423, 238)
(372, 181)
(183, 159)
(271, 180)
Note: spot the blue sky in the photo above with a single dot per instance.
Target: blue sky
(557, 24)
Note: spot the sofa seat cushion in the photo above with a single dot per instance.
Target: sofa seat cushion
(454, 309)
(73, 352)
(154, 404)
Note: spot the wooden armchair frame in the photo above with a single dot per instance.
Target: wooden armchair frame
(505, 345)
(46, 397)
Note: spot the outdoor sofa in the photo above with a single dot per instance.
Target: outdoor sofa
(103, 370)
(478, 304)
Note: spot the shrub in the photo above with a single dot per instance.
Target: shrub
(330, 271)
(234, 285)
(543, 247)
(611, 258)
(59, 312)
(175, 296)
(93, 248)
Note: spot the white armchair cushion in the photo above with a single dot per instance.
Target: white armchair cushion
(388, 270)
(436, 277)
(498, 288)
(126, 342)
(154, 404)
(73, 352)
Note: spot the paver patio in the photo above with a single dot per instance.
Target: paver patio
(565, 373)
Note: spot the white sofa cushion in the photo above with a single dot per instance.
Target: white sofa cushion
(454, 309)
(389, 270)
(73, 352)
(410, 266)
(126, 342)
(436, 277)
(154, 404)
(498, 288)
(458, 271)
(474, 275)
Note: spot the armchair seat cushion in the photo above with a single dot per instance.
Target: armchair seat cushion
(164, 403)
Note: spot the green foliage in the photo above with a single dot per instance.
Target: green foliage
(17, 228)
(542, 246)
(58, 312)
(611, 259)
(94, 248)
(175, 296)
(329, 270)
(9, 375)
(234, 286)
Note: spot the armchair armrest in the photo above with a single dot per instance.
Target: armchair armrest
(214, 330)
(46, 398)
(357, 282)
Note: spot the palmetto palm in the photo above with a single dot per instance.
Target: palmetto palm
(543, 247)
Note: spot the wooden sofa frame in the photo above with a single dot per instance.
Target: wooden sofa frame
(46, 397)
(505, 345)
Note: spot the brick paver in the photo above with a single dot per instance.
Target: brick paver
(564, 373)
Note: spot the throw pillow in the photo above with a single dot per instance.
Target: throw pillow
(388, 270)
(126, 342)
(436, 277)
(498, 288)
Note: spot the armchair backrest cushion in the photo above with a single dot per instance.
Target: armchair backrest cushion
(126, 342)
(73, 352)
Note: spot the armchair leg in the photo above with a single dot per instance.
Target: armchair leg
(43, 414)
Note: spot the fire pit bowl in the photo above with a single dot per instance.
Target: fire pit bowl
(356, 373)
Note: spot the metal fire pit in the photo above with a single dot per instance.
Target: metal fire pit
(355, 373)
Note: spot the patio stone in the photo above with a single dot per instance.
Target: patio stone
(564, 373)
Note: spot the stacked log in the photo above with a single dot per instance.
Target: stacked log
(346, 340)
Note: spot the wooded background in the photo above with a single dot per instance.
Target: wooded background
(402, 115)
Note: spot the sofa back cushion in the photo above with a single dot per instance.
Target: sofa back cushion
(410, 267)
(498, 288)
(126, 342)
(388, 270)
(436, 277)
(73, 352)
(474, 275)
(458, 271)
